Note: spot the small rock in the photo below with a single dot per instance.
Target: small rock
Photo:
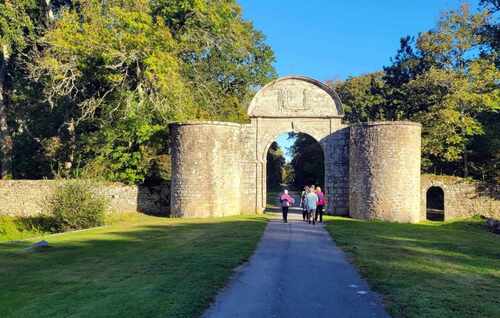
(493, 225)
(40, 244)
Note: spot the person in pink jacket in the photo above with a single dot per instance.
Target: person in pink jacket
(320, 206)
(286, 201)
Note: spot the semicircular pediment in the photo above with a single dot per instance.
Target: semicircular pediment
(295, 96)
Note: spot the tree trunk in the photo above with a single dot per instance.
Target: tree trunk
(466, 163)
(49, 13)
(70, 159)
(5, 138)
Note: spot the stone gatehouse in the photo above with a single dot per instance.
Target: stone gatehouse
(372, 170)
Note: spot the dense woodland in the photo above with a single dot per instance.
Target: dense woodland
(88, 87)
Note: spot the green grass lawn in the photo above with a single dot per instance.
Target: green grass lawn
(449, 269)
(145, 267)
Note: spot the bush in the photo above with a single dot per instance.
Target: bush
(76, 205)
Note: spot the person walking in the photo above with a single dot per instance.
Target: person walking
(321, 205)
(286, 201)
(302, 202)
(311, 204)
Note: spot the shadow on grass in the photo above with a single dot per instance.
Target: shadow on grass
(169, 268)
(426, 270)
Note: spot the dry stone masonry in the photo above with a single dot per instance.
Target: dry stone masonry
(220, 168)
(384, 171)
(462, 197)
(372, 170)
(206, 169)
(26, 197)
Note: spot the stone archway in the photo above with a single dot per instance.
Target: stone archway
(372, 170)
(314, 141)
(302, 105)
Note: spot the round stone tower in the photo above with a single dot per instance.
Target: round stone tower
(205, 169)
(384, 171)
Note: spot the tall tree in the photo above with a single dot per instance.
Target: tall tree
(15, 28)
(447, 79)
(461, 86)
(307, 161)
(275, 166)
(117, 72)
(225, 58)
(361, 97)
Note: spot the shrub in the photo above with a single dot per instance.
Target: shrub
(76, 205)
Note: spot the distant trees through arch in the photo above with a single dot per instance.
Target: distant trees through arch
(435, 204)
(295, 160)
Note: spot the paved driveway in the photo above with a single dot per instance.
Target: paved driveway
(296, 271)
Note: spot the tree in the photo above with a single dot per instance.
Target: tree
(15, 29)
(447, 79)
(275, 166)
(361, 98)
(459, 87)
(225, 58)
(307, 161)
(115, 73)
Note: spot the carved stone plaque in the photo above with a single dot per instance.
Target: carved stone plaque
(295, 97)
(293, 100)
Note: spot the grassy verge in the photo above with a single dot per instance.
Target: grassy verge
(148, 267)
(12, 228)
(449, 269)
(21, 228)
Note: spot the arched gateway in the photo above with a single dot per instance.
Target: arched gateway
(371, 170)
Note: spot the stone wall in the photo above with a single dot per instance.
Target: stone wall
(336, 151)
(462, 197)
(249, 168)
(205, 169)
(384, 171)
(26, 197)
(372, 171)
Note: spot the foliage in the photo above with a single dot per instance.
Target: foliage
(76, 205)
(307, 161)
(92, 273)
(96, 83)
(224, 57)
(435, 261)
(275, 166)
(360, 98)
(446, 79)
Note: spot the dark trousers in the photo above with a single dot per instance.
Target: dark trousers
(310, 216)
(319, 210)
(284, 211)
(304, 214)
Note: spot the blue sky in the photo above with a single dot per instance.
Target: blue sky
(332, 39)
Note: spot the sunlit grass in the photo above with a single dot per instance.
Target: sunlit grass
(433, 269)
(143, 267)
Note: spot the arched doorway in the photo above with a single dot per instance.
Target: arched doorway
(293, 160)
(435, 204)
(301, 105)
